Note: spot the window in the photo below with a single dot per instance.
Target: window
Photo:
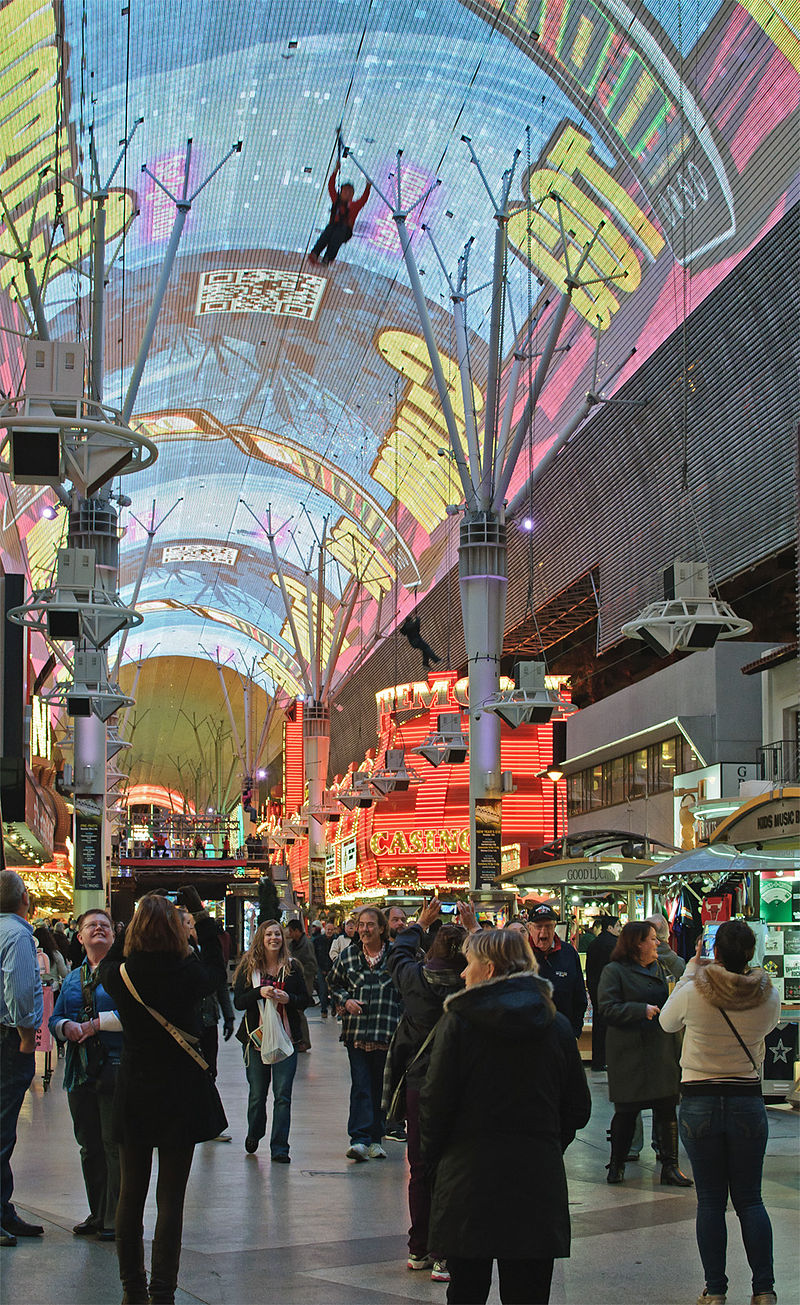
(629, 777)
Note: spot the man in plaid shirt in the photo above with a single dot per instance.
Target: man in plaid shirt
(362, 987)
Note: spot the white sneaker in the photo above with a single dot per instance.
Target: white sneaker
(358, 1151)
(419, 1262)
(376, 1152)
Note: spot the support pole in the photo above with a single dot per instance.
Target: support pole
(183, 208)
(482, 572)
(151, 532)
(316, 754)
(435, 360)
(98, 297)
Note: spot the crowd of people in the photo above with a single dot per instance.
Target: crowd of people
(461, 1041)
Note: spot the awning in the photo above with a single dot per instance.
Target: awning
(721, 858)
(599, 872)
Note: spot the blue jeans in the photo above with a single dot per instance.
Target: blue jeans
(259, 1076)
(366, 1122)
(725, 1139)
(322, 989)
(16, 1075)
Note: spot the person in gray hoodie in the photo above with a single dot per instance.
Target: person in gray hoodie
(726, 1010)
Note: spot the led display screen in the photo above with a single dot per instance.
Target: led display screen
(274, 384)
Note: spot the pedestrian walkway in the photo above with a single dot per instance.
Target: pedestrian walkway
(325, 1231)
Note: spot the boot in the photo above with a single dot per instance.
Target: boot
(621, 1131)
(671, 1175)
(134, 1292)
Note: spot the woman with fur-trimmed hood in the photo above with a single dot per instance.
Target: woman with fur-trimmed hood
(726, 1009)
(505, 1078)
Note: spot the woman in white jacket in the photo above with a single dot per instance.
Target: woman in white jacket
(726, 1009)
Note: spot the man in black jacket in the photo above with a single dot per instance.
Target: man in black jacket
(560, 963)
(322, 949)
(597, 957)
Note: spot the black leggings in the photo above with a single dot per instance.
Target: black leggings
(174, 1163)
(522, 1282)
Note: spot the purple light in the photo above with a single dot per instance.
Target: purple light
(49, 513)
(526, 523)
(261, 774)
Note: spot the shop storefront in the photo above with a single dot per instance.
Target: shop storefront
(581, 889)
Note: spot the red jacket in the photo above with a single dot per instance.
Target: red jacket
(340, 211)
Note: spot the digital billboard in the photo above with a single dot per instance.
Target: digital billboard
(306, 390)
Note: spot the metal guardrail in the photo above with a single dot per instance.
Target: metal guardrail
(779, 762)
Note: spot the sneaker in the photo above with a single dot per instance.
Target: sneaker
(222, 1137)
(323, 1014)
(419, 1262)
(764, 1298)
(358, 1151)
(376, 1152)
(251, 1145)
(8, 1239)
(711, 1298)
(440, 1271)
(396, 1133)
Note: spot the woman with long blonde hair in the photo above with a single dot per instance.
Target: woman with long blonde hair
(267, 973)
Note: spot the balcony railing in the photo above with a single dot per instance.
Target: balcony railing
(779, 762)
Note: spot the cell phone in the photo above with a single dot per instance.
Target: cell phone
(449, 908)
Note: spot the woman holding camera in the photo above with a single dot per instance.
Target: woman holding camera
(165, 1098)
(727, 1010)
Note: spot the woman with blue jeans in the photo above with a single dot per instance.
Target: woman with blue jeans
(267, 973)
(727, 1009)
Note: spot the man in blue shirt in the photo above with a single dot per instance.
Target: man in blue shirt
(84, 1017)
(21, 1013)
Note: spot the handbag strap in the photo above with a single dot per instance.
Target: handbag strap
(416, 1057)
(182, 1039)
(738, 1037)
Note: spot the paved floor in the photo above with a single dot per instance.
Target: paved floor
(325, 1231)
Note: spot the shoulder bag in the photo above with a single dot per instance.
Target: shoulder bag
(184, 1040)
(396, 1110)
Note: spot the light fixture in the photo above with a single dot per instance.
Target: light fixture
(448, 744)
(530, 702)
(688, 619)
(394, 776)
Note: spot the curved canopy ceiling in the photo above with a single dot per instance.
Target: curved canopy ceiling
(276, 386)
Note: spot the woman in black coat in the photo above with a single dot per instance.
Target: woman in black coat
(505, 1077)
(268, 973)
(164, 1099)
(423, 987)
(643, 1061)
